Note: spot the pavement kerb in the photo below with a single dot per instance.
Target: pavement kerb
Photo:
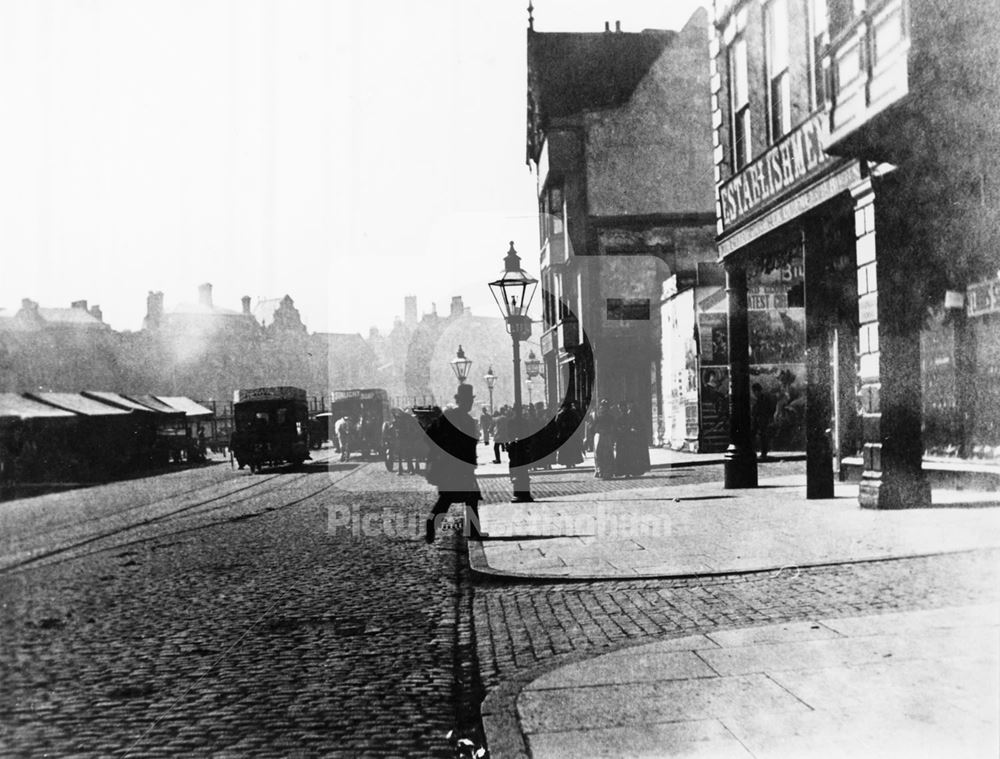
(709, 459)
(501, 724)
(481, 569)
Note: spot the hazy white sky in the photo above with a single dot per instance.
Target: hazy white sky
(346, 154)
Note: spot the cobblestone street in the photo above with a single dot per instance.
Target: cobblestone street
(237, 626)
(210, 611)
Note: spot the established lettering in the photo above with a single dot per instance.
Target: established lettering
(777, 170)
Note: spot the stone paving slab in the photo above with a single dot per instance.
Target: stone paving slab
(704, 529)
(801, 689)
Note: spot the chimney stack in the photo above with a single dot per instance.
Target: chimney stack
(245, 300)
(81, 304)
(618, 26)
(205, 294)
(457, 309)
(607, 26)
(410, 310)
(96, 312)
(154, 309)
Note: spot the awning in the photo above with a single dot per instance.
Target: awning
(78, 404)
(188, 406)
(117, 399)
(15, 406)
(155, 404)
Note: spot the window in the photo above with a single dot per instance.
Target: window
(623, 309)
(556, 209)
(550, 207)
(778, 93)
(739, 98)
(818, 33)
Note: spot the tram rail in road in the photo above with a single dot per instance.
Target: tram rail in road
(99, 533)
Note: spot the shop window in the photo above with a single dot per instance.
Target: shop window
(739, 101)
(778, 92)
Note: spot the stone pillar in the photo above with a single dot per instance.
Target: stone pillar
(889, 365)
(740, 459)
(819, 370)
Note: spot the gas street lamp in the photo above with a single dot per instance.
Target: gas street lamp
(461, 365)
(491, 380)
(513, 292)
(532, 370)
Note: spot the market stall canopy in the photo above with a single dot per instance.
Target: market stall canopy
(79, 404)
(157, 405)
(117, 399)
(16, 406)
(188, 406)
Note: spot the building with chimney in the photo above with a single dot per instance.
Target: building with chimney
(56, 349)
(619, 134)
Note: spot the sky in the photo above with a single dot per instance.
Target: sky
(345, 154)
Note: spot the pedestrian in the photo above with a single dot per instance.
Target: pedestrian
(568, 428)
(762, 408)
(452, 463)
(632, 450)
(485, 425)
(605, 437)
(343, 429)
(500, 434)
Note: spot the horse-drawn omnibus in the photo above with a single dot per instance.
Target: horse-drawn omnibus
(271, 427)
(367, 410)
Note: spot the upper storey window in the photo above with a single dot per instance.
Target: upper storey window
(818, 34)
(550, 207)
(739, 101)
(779, 87)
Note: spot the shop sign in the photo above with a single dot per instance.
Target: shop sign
(783, 166)
(983, 298)
(282, 393)
(766, 301)
(546, 342)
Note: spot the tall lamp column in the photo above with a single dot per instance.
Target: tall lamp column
(491, 380)
(532, 368)
(513, 292)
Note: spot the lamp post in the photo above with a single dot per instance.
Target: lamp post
(461, 365)
(532, 370)
(513, 293)
(491, 380)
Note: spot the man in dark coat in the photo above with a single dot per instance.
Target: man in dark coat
(452, 463)
(762, 407)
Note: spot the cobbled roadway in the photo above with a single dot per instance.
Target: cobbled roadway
(305, 616)
(243, 629)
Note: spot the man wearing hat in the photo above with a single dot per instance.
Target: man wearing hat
(453, 459)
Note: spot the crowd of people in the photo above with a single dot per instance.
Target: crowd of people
(613, 432)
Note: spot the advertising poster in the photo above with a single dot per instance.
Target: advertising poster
(714, 407)
(777, 326)
(713, 337)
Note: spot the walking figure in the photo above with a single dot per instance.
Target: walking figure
(762, 408)
(451, 463)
